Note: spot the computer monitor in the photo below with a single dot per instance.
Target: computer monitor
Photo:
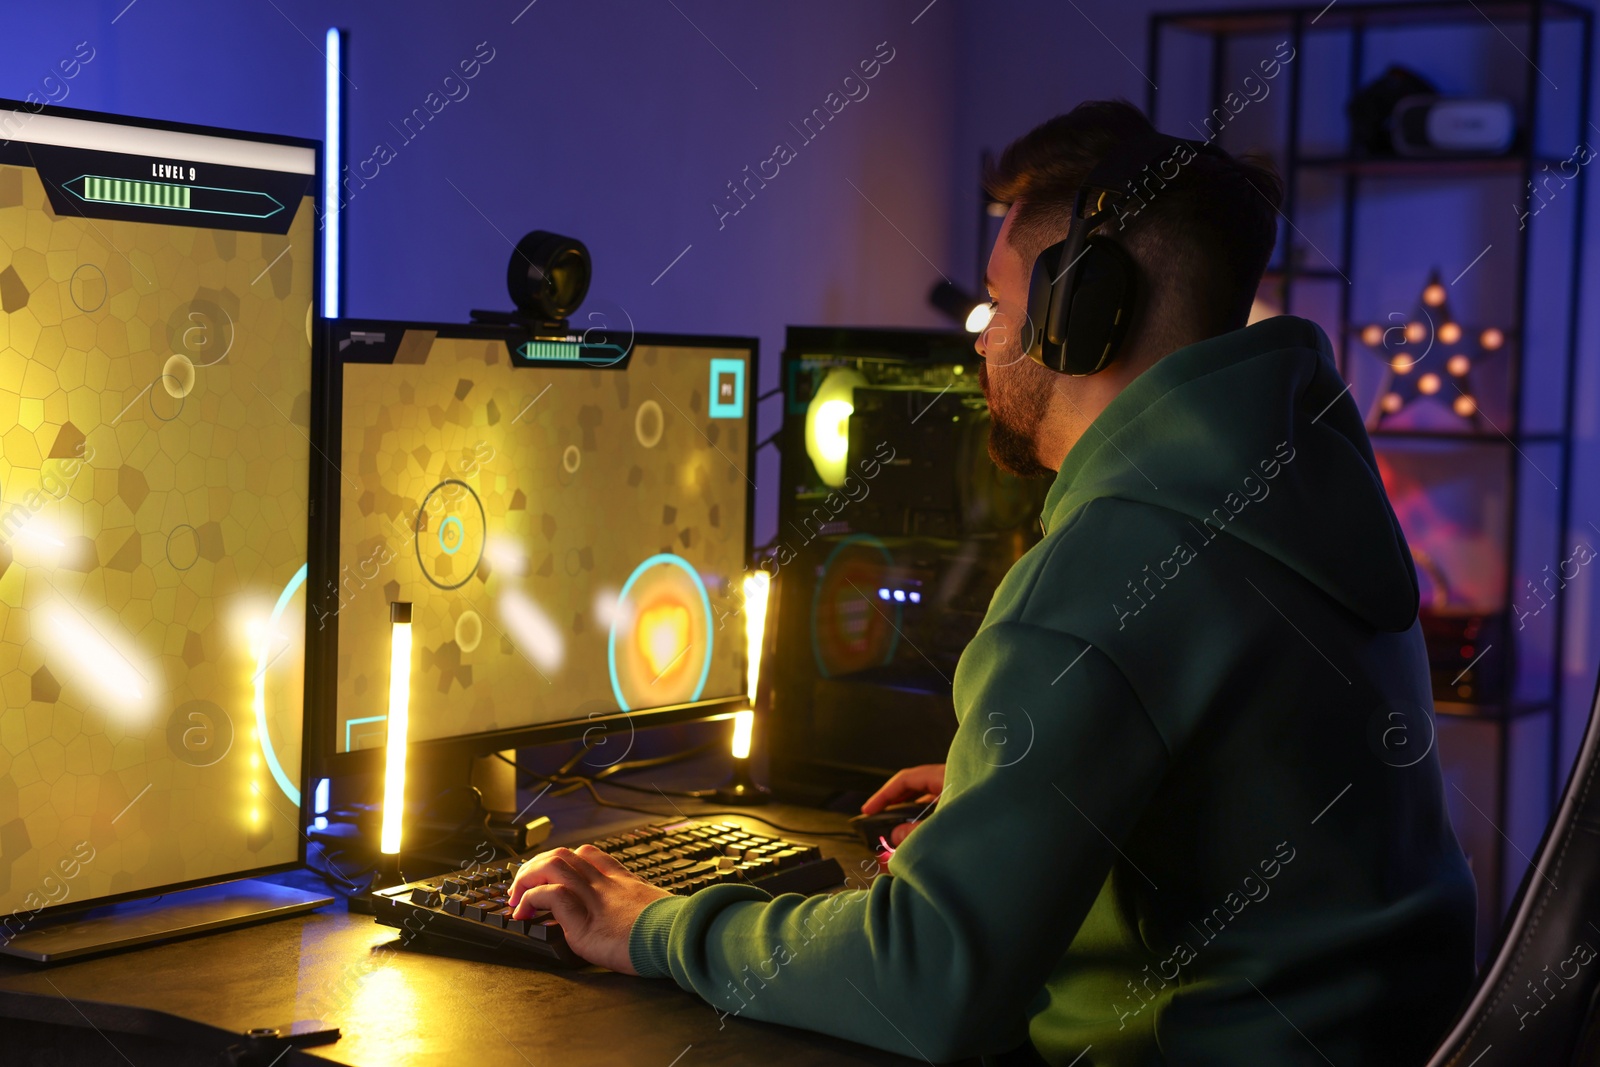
(156, 286)
(569, 522)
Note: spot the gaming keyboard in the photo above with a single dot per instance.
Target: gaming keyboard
(469, 905)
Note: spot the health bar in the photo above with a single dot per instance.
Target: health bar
(166, 196)
(143, 194)
(570, 352)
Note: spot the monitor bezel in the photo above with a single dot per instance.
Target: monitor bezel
(322, 725)
(314, 384)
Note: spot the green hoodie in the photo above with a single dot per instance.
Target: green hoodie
(1193, 813)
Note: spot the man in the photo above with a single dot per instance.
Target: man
(1227, 841)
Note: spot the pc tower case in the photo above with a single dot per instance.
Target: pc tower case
(894, 529)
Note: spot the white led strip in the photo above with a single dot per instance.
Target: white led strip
(95, 136)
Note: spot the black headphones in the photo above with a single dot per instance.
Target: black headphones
(1082, 292)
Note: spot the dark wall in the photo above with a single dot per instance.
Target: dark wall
(621, 123)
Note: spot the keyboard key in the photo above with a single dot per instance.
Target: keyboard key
(428, 898)
(454, 905)
(476, 910)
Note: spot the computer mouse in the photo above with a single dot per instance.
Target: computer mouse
(880, 824)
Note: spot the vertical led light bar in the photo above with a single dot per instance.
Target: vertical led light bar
(332, 166)
(757, 585)
(394, 769)
(743, 789)
(744, 728)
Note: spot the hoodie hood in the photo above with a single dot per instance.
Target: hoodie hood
(1254, 434)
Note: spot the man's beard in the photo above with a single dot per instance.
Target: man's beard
(1016, 410)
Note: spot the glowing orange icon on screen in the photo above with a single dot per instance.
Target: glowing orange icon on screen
(663, 636)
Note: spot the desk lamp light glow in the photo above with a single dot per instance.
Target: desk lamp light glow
(394, 772)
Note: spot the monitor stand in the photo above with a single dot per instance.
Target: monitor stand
(138, 922)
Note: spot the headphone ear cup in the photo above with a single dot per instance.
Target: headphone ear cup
(1105, 284)
(1031, 329)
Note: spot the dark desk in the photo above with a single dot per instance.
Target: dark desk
(186, 1001)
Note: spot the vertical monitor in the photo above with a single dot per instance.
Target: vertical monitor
(156, 289)
(570, 526)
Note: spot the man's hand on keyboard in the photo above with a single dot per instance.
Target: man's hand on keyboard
(593, 897)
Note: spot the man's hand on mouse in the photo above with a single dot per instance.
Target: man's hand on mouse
(922, 784)
(593, 897)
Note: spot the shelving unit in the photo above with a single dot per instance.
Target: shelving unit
(1506, 744)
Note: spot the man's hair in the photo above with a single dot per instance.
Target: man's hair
(1201, 237)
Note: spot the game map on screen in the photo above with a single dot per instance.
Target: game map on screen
(572, 539)
(155, 366)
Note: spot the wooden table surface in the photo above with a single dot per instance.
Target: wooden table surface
(185, 1001)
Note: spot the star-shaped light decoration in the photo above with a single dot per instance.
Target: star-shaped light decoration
(1427, 353)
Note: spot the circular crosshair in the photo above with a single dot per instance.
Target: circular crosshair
(471, 539)
(451, 544)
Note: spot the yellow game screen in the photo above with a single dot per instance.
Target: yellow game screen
(572, 539)
(155, 363)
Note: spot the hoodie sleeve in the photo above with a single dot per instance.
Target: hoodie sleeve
(1051, 767)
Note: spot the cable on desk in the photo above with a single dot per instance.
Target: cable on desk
(566, 768)
(573, 782)
(319, 860)
(581, 781)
